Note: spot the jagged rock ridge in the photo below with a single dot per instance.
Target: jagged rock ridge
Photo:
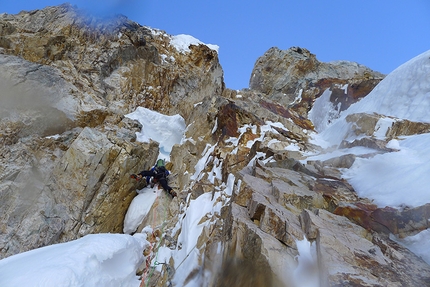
(82, 75)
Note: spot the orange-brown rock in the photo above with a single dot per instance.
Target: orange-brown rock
(387, 220)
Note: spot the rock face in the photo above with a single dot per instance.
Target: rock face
(73, 77)
(115, 63)
(67, 148)
(295, 78)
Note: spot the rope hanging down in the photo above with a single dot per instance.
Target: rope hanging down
(157, 249)
(150, 269)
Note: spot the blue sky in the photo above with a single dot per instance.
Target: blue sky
(380, 34)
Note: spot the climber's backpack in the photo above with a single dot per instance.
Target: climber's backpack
(160, 169)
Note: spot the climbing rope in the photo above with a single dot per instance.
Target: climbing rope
(207, 240)
(150, 270)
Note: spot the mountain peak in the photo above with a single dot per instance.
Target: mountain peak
(287, 179)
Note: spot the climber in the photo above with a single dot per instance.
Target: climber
(157, 174)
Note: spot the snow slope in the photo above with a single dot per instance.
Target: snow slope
(93, 260)
(395, 179)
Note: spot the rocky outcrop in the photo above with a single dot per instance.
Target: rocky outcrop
(97, 188)
(383, 126)
(56, 192)
(294, 78)
(347, 253)
(275, 207)
(115, 62)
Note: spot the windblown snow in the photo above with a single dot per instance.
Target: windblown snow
(182, 43)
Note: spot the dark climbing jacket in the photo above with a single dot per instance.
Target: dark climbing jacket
(159, 171)
(158, 174)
